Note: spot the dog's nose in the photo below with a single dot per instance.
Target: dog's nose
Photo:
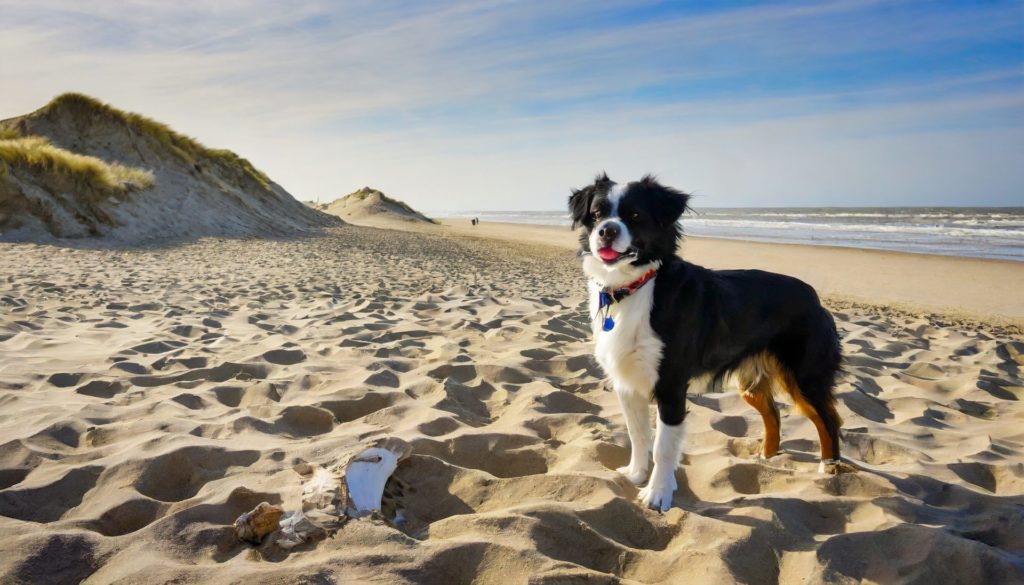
(608, 232)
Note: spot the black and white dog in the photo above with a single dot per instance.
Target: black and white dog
(663, 326)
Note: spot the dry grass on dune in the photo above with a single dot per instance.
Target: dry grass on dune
(186, 147)
(57, 185)
(88, 175)
(9, 133)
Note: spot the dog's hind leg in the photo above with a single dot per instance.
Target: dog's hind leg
(819, 406)
(807, 372)
(636, 408)
(826, 420)
(759, 395)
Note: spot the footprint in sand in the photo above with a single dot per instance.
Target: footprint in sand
(180, 474)
(127, 517)
(101, 388)
(64, 380)
(349, 410)
(50, 501)
(285, 357)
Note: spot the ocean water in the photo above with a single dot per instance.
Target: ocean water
(979, 232)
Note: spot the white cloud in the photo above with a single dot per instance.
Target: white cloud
(502, 104)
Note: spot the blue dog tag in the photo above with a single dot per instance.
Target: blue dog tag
(608, 324)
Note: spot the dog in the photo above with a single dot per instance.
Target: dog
(663, 326)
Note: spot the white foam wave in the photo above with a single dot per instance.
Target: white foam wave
(988, 233)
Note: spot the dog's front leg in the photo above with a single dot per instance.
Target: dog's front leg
(668, 447)
(636, 408)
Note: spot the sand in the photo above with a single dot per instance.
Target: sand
(151, 396)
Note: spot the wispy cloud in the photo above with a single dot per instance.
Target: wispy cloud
(507, 104)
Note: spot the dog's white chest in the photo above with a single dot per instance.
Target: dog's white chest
(630, 352)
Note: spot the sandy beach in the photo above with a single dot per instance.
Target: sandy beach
(984, 291)
(152, 395)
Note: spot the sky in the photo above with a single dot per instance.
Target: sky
(506, 105)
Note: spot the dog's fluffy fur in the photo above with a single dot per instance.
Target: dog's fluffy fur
(691, 327)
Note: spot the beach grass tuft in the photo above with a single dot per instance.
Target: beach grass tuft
(184, 146)
(87, 176)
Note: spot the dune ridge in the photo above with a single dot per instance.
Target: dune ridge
(173, 187)
(152, 396)
(369, 206)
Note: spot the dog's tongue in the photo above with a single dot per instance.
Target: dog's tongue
(608, 253)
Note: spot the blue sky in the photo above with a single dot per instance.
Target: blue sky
(506, 105)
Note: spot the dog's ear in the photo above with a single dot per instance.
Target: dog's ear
(669, 203)
(579, 205)
(581, 199)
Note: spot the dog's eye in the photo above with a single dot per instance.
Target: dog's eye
(634, 215)
(597, 214)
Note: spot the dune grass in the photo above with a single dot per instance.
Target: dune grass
(186, 147)
(9, 133)
(88, 176)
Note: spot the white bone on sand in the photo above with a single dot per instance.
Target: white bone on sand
(368, 472)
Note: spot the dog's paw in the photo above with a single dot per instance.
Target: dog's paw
(637, 476)
(658, 494)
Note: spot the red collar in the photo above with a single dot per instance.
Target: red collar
(609, 296)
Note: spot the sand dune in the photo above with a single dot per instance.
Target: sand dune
(152, 396)
(371, 207)
(186, 189)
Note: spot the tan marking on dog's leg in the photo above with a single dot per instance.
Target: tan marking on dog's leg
(829, 451)
(760, 397)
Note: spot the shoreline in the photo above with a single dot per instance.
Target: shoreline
(986, 291)
(971, 232)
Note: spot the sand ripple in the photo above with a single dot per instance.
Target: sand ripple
(151, 396)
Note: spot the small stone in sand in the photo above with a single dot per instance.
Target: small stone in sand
(258, 522)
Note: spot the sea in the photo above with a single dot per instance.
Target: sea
(977, 232)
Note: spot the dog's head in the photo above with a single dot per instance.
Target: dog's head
(627, 226)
